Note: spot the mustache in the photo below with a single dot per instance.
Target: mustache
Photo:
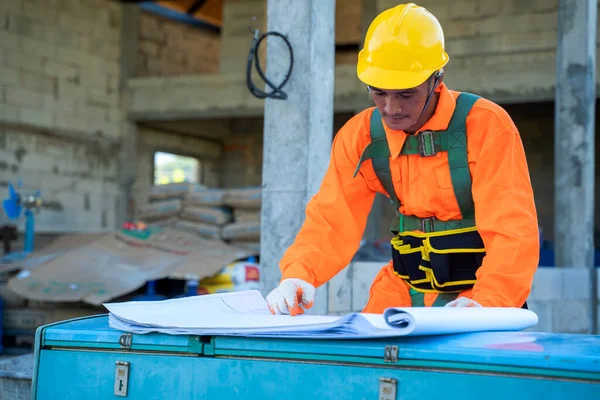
(396, 116)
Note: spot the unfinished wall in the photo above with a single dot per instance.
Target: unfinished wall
(243, 154)
(60, 111)
(209, 152)
(499, 41)
(169, 48)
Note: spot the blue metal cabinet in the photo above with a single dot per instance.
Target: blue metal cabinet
(85, 359)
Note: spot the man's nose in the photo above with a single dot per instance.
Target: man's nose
(393, 106)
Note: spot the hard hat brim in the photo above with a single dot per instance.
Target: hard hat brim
(394, 80)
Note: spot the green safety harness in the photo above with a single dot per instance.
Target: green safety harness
(428, 254)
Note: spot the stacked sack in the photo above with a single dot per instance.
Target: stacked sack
(231, 215)
(166, 203)
(244, 230)
(204, 213)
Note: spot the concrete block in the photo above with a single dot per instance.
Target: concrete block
(9, 41)
(463, 9)
(151, 28)
(39, 118)
(544, 22)
(23, 61)
(72, 56)
(38, 83)
(37, 47)
(67, 38)
(363, 274)
(9, 76)
(340, 291)
(570, 316)
(497, 24)
(547, 284)
(69, 90)
(23, 97)
(40, 11)
(462, 28)
(11, 6)
(544, 311)
(71, 122)
(149, 47)
(490, 8)
(22, 25)
(111, 51)
(100, 96)
(96, 111)
(575, 283)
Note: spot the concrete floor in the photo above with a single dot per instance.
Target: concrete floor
(16, 372)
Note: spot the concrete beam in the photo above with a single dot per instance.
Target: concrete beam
(69, 135)
(574, 144)
(226, 95)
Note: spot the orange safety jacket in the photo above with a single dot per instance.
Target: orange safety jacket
(505, 211)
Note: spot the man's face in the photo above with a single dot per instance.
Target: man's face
(400, 109)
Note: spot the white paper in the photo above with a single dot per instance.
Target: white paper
(245, 313)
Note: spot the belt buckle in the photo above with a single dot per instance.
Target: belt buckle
(426, 144)
(427, 224)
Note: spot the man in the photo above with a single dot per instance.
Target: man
(452, 164)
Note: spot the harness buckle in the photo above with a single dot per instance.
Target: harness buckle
(426, 144)
(427, 224)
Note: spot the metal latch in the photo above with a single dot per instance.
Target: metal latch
(387, 389)
(391, 354)
(125, 340)
(121, 378)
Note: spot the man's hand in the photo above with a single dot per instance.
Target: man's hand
(290, 296)
(463, 302)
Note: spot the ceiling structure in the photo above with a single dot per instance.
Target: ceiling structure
(203, 13)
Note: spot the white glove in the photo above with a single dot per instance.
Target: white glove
(290, 296)
(463, 302)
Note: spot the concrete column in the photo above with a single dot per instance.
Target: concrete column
(129, 131)
(298, 131)
(574, 143)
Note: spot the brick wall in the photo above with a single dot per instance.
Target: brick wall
(59, 74)
(169, 48)
(243, 154)
(243, 151)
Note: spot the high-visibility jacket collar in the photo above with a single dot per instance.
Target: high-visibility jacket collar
(438, 122)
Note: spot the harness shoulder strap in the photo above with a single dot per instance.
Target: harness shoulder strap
(379, 153)
(457, 154)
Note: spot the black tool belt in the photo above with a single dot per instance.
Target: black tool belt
(438, 262)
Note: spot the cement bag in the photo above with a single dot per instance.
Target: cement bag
(243, 275)
(209, 197)
(205, 230)
(242, 231)
(163, 222)
(248, 198)
(160, 210)
(243, 215)
(250, 245)
(208, 215)
(174, 190)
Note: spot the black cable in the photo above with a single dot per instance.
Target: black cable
(276, 92)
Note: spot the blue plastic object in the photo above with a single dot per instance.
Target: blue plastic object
(1, 324)
(492, 365)
(150, 294)
(12, 205)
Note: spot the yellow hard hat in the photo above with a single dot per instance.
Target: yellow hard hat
(403, 47)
